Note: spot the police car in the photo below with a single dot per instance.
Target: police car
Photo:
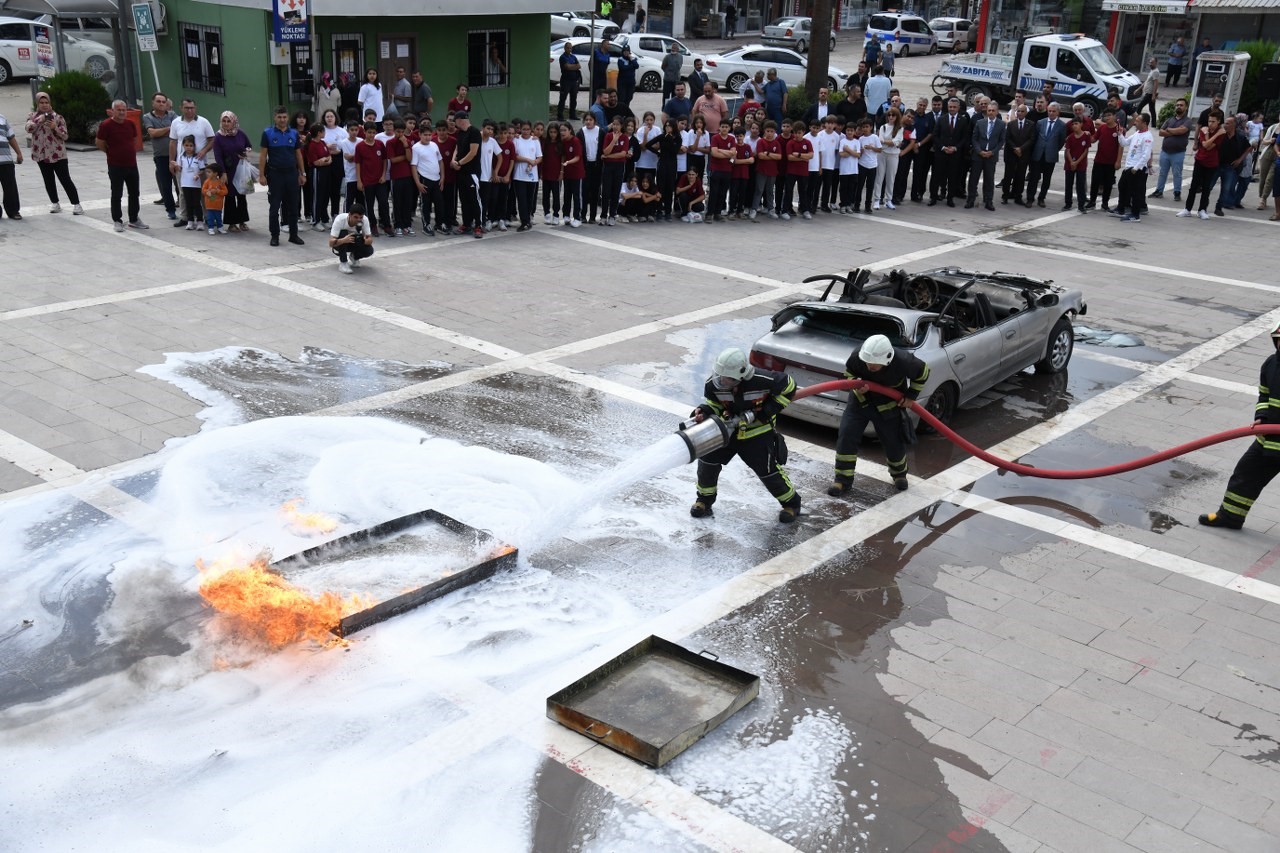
(907, 33)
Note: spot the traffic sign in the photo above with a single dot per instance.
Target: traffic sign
(146, 26)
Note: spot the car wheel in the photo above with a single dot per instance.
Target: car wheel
(802, 46)
(5, 72)
(736, 81)
(651, 81)
(833, 44)
(905, 51)
(831, 83)
(96, 66)
(941, 404)
(933, 48)
(581, 32)
(1092, 108)
(971, 94)
(1057, 354)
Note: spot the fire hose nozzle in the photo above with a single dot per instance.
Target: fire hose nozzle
(708, 435)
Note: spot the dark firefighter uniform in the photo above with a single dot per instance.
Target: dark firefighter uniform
(904, 373)
(1261, 462)
(766, 394)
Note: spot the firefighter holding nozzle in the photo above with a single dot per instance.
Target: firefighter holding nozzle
(756, 397)
(878, 361)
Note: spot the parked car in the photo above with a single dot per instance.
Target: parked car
(907, 33)
(648, 75)
(953, 34)
(657, 46)
(89, 29)
(973, 329)
(793, 32)
(576, 24)
(18, 52)
(736, 67)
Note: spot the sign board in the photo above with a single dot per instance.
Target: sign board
(46, 66)
(290, 21)
(1146, 7)
(145, 24)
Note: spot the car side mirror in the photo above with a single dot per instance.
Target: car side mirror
(1048, 300)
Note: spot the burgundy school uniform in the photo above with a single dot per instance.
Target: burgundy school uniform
(800, 168)
(741, 170)
(1075, 148)
(768, 168)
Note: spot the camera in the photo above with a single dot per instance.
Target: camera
(359, 231)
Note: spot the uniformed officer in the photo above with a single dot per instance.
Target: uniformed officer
(280, 170)
(880, 362)
(737, 388)
(1261, 462)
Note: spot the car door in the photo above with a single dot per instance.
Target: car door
(18, 49)
(790, 66)
(976, 360)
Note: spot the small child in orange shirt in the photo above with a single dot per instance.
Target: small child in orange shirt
(214, 191)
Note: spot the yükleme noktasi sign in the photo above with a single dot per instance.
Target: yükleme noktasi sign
(290, 21)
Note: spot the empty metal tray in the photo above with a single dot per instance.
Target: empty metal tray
(653, 701)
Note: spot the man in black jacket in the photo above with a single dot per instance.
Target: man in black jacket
(1261, 462)
(880, 362)
(735, 388)
(949, 140)
(697, 78)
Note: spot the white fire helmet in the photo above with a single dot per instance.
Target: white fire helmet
(876, 350)
(733, 364)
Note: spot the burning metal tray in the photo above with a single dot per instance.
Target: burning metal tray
(500, 556)
(653, 701)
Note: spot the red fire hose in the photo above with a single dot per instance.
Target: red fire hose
(1029, 470)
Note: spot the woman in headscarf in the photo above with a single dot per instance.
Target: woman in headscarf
(231, 151)
(327, 95)
(48, 132)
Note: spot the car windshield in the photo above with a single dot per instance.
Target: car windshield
(1101, 60)
(849, 325)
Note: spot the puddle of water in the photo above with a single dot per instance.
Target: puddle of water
(1105, 337)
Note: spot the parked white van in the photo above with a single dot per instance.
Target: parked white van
(907, 33)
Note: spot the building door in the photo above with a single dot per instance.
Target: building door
(395, 50)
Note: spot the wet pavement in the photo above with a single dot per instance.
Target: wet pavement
(984, 662)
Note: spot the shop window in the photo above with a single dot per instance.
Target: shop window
(488, 58)
(348, 54)
(202, 58)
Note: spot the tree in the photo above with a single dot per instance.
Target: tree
(819, 48)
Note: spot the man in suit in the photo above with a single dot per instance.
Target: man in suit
(986, 140)
(950, 138)
(1051, 135)
(697, 78)
(1019, 138)
(926, 129)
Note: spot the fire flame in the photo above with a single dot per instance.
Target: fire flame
(307, 523)
(267, 608)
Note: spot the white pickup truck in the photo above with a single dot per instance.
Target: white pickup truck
(1080, 69)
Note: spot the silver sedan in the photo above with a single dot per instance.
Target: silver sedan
(973, 329)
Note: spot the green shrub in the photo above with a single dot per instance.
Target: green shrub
(1260, 52)
(797, 102)
(81, 100)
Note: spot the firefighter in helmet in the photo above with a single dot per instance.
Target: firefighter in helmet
(877, 361)
(1261, 462)
(735, 388)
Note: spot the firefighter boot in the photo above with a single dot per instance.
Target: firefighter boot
(840, 486)
(701, 509)
(790, 510)
(1221, 519)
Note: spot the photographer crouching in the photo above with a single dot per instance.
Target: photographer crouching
(349, 239)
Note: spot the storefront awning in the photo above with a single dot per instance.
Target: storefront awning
(1248, 6)
(1146, 7)
(400, 9)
